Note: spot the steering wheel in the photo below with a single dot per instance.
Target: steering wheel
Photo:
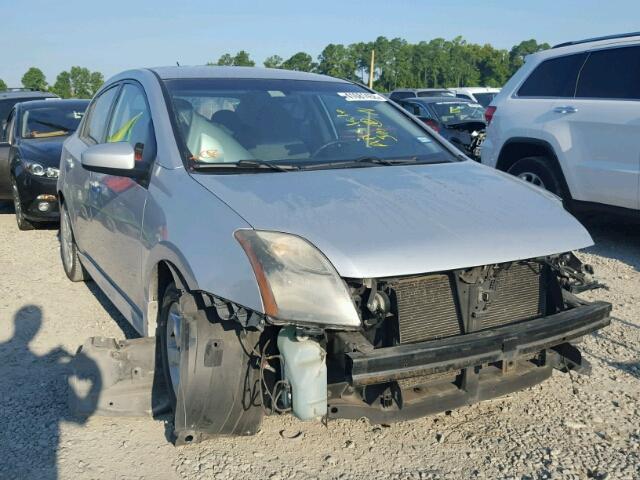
(322, 148)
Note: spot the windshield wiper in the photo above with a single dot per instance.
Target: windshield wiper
(363, 161)
(245, 164)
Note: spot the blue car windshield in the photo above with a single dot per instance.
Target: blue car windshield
(54, 120)
(297, 122)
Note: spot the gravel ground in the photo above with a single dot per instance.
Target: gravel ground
(579, 427)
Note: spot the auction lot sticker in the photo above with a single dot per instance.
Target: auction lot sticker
(362, 97)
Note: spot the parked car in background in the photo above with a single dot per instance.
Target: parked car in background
(569, 121)
(459, 121)
(401, 93)
(30, 156)
(481, 95)
(8, 98)
(299, 243)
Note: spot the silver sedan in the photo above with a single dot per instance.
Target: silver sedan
(301, 244)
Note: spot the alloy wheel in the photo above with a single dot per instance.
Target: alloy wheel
(532, 178)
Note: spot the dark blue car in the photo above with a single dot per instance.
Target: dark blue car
(30, 156)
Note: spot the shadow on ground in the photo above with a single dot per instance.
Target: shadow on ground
(615, 237)
(34, 394)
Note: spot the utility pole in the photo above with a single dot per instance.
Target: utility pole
(373, 56)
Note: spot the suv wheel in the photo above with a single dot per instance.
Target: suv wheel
(221, 384)
(23, 223)
(68, 249)
(538, 171)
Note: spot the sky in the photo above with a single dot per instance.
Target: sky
(114, 35)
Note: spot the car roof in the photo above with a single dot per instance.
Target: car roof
(589, 44)
(178, 72)
(438, 99)
(25, 94)
(476, 89)
(52, 102)
(443, 89)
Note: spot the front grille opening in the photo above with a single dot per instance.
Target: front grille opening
(425, 308)
(434, 306)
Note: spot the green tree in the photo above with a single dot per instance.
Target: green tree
(225, 60)
(242, 59)
(337, 61)
(81, 82)
(95, 80)
(34, 79)
(300, 61)
(274, 61)
(3, 86)
(524, 48)
(62, 86)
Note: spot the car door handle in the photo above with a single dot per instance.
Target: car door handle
(565, 109)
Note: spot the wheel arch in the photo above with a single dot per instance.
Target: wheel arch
(517, 148)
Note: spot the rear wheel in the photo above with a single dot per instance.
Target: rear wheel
(540, 172)
(68, 249)
(23, 223)
(218, 394)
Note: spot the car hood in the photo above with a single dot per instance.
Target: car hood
(44, 151)
(402, 220)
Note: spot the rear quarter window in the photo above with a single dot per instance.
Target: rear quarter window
(555, 77)
(612, 73)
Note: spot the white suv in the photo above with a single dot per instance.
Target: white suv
(569, 121)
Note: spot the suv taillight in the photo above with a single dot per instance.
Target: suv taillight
(489, 112)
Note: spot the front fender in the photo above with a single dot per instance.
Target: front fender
(188, 227)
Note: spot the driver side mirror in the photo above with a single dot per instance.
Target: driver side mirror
(113, 159)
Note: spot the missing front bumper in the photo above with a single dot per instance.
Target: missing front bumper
(482, 365)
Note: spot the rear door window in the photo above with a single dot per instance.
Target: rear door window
(555, 77)
(612, 73)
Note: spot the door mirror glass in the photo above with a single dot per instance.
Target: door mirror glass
(111, 158)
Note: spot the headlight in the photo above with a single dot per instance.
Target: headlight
(38, 170)
(297, 283)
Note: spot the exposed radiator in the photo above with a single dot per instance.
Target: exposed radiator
(426, 306)
(519, 295)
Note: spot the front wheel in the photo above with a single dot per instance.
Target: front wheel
(211, 371)
(23, 223)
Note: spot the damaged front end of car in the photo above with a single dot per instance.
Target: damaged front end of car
(422, 344)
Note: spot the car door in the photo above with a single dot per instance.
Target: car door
(602, 128)
(79, 198)
(5, 149)
(116, 224)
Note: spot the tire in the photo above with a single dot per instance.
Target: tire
(216, 394)
(540, 172)
(23, 223)
(69, 251)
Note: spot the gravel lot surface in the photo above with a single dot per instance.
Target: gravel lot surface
(579, 427)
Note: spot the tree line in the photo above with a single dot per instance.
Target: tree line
(78, 82)
(430, 64)
(434, 64)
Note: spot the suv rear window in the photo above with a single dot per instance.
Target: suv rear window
(613, 73)
(555, 77)
(401, 95)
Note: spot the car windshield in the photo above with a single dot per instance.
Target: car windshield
(303, 124)
(485, 99)
(50, 121)
(451, 113)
